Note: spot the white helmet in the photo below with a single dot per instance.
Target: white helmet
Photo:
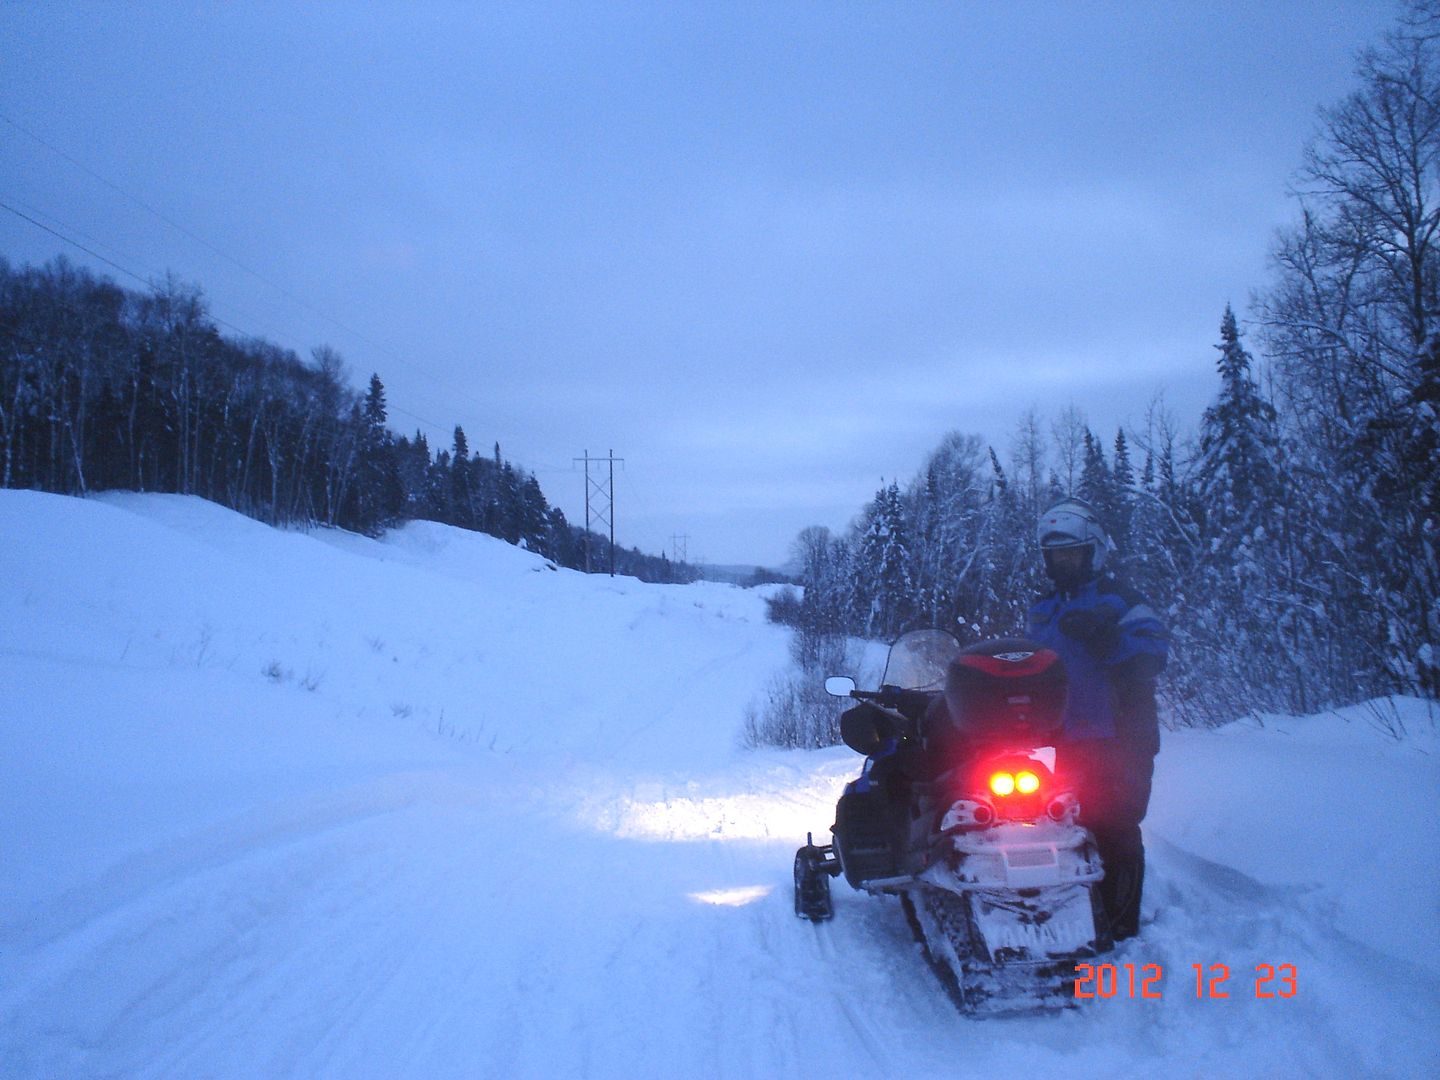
(1072, 523)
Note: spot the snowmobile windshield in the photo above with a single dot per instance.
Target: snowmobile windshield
(919, 660)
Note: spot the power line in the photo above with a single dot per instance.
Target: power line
(95, 241)
(187, 232)
(235, 262)
(634, 491)
(76, 244)
(149, 284)
(156, 275)
(112, 263)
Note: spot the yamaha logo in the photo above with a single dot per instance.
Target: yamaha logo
(1014, 657)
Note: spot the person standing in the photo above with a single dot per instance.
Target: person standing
(1113, 646)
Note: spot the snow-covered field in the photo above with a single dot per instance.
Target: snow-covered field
(279, 804)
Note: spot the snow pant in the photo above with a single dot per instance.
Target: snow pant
(1112, 778)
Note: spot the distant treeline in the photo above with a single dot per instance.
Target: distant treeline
(102, 387)
(1295, 547)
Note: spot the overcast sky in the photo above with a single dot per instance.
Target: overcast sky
(770, 254)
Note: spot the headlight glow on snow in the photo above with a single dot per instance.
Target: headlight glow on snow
(732, 897)
(1002, 783)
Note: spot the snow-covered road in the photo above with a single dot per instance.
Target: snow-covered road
(283, 805)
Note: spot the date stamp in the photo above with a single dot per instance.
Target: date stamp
(1213, 982)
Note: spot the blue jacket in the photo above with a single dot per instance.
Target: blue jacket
(1112, 692)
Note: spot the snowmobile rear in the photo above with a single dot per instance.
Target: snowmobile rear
(959, 813)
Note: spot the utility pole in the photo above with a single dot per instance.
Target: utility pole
(603, 492)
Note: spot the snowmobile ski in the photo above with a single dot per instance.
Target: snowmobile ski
(815, 865)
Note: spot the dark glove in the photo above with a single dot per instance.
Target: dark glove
(865, 728)
(1098, 631)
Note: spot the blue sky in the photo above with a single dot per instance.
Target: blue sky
(770, 254)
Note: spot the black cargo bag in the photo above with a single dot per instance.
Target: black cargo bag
(1007, 690)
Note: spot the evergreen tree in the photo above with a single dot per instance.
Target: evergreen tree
(950, 503)
(1054, 491)
(845, 589)
(821, 608)
(1097, 483)
(1236, 476)
(884, 561)
(1124, 475)
(460, 500)
(1007, 577)
(413, 466)
(530, 520)
(1125, 500)
(931, 585)
(1237, 497)
(379, 496)
(562, 542)
(374, 411)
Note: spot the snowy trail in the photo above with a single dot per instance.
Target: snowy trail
(411, 936)
(414, 913)
(222, 873)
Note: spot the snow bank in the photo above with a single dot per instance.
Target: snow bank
(1339, 810)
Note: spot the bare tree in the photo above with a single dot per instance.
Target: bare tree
(1352, 325)
(1027, 460)
(1068, 431)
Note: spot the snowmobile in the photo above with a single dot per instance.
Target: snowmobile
(959, 812)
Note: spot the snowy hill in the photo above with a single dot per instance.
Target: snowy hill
(285, 804)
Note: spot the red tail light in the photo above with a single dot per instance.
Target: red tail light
(1017, 784)
(1002, 783)
(1024, 782)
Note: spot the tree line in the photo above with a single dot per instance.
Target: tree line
(103, 387)
(1294, 546)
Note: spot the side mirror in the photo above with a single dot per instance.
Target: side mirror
(839, 685)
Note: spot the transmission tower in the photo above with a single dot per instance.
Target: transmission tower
(600, 500)
(678, 545)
